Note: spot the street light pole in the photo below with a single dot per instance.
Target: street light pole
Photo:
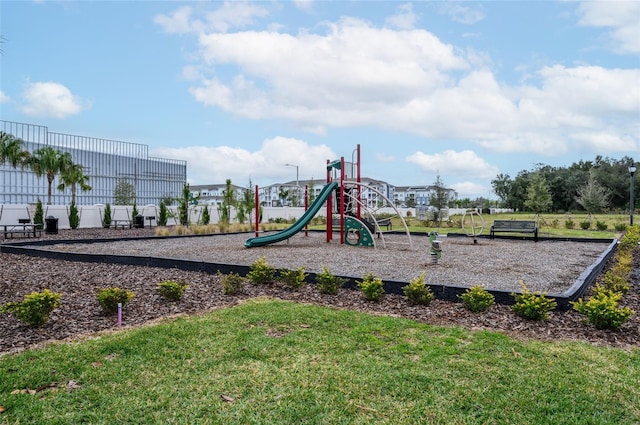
(293, 165)
(632, 172)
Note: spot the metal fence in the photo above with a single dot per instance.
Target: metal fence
(106, 163)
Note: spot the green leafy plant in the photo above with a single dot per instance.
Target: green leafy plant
(134, 211)
(620, 227)
(569, 224)
(231, 283)
(35, 308)
(163, 214)
(417, 291)
(328, 283)
(106, 216)
(615, 283)
(38, 215)
(172, 290)
(601, 225)
(260, 272)
(110, 297)
(532, 305)
(371, 286)
(477, 299)
(206, 218)
(585, 225)
(293, 279)
(602, 309)
(74, 218)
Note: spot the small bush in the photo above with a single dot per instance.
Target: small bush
(171, 290)
(534, 306)
(477, 299)
(328, 283)
(601, 225)
(569, 224)
(585, 225)
(35, 308)
(371, 286)
(555, 223)
(602, 310)
(231, 283)
(260, 272)
(615, 283)
(620, 227)
(293, 279)
(417, 292)
(110, 297)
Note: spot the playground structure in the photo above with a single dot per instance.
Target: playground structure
(476, 224)
(346, 212)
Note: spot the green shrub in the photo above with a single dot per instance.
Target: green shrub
(171, 290)
(477, 299)
(206, 218)
(601, 225)
(417, 292)
(110, 297)
(35, 308)
(534, 306)
(585, 225)
(106, 216)
(38, 215)
(163, 215)
(630, 239)
(620, 227)
(231, 283)
(555, 223)
(328, 283)
(293, 279)
(260, 272)
(371, 286)
(613, 282)
(602, 310)
(569, 224)
(74, 218)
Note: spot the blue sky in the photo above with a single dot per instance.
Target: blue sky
(466, 90)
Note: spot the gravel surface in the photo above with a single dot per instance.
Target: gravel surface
(546, 266)
(489, 261)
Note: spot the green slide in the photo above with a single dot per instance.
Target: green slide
(299, 224)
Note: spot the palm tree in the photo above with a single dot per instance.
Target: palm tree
(11, 151)
(50, 161)
(73, 176)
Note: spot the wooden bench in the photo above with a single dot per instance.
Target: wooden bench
(514, 226)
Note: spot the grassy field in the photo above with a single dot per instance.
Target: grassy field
(550, 224)
(275, 362)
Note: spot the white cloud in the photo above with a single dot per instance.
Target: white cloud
(50, 99)
(405, 19)
(451, 163)
(471, 190)
(353, 74)
(462, 14)
(385, 157)
(216, 164)
(305, 5)
(621, 18)
(3, 97)
(232, 14)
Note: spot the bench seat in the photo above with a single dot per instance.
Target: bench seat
(514, 226)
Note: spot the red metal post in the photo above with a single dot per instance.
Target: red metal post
(306, 207)
(342, 200)
(358, 180)
(257, 211)
(329, 208)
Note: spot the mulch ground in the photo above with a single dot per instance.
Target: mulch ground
(80, 315)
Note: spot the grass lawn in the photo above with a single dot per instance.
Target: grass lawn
(276, 362)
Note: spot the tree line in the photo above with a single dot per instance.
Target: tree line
(594, 186)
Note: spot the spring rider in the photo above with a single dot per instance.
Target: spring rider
(436, 247)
